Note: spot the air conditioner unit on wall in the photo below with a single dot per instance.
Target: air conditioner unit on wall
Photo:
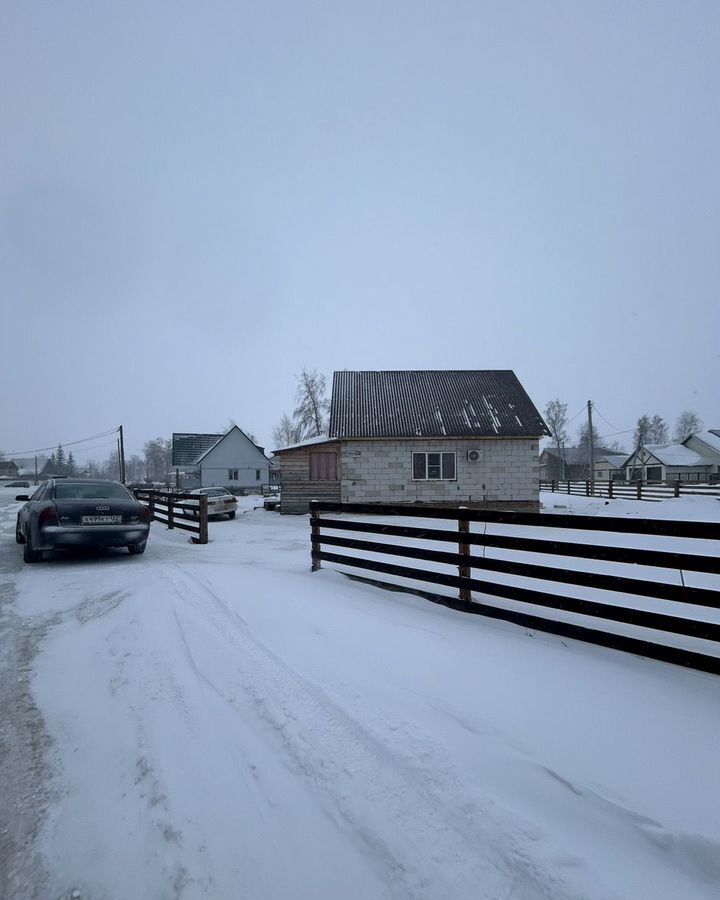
(474, 456)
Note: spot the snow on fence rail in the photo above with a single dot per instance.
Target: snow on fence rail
(177, 511)
(632, 490)
(645, 586)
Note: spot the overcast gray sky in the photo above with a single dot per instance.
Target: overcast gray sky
(196, 199)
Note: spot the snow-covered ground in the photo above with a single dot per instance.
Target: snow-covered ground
(224, 724)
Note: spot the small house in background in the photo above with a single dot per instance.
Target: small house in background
(8, 469)
(570, 463)
(673, 462)
(27, 467)
(707, 445)
(610, 467)
(446, 437)
(228, 460)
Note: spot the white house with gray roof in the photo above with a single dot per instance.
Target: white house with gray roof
(673, 462)
(446, 437)
(228, 460)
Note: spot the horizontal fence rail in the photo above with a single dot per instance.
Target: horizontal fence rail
(632, 490)
(188, 513)
(654, 583)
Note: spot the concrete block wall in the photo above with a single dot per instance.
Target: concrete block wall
(381, 471)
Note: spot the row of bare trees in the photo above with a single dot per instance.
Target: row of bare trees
(648, 429)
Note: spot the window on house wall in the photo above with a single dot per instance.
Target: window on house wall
(323, 466)
(233, 475)
(433, 466)
(257, 474)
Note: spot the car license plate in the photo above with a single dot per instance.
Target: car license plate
(100, 520)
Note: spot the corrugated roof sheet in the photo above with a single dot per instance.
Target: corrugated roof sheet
(427, 403)
(188, 448)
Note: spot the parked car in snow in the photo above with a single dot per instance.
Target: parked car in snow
(15, 484)
(220, 502)
(67, 513)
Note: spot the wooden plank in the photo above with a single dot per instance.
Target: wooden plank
(689, 658)
(690, 562)
(640, 618)
(655, 527)
(639, 587)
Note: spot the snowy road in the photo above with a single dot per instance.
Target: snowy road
(216, 722)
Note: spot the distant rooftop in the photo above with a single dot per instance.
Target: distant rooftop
(187, 448)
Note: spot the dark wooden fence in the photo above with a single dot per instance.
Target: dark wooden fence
(649, 584)
(178, 511)
(632, 490)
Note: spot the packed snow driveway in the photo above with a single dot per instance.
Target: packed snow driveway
(216, 722)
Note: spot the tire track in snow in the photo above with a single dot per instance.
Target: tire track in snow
(416, 822)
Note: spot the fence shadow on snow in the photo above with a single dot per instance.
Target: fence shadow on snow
(645, 586)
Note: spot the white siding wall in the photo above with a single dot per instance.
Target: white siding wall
(692, 443)
(381, 471)
(235, 451)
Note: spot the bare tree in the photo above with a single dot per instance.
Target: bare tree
(658, 432)
(583, 437)
(287, 432)
(642, 431)
(556, 419)
(688, 423)
(158, 459)
(135, 468)
(311, 406)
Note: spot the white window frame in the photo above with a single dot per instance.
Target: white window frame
(233, 475)
(426, 453)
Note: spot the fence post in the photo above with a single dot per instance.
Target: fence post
(553, 484)
(639, 488)
(464, 551)
(314, 537)
(151, 505)
(610, 489)
(170, 516)
(568, 484)
(203, 523)
(677, 488)
(587, 487)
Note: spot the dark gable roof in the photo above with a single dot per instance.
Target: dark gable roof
(434, 404)
(188, 448)
(579, 455)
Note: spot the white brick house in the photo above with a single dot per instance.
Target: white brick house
(446, 437)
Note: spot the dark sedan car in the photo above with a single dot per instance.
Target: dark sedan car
(67, 513)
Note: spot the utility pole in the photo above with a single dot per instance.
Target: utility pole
(36, 478)
(121, 456)
(591, 443)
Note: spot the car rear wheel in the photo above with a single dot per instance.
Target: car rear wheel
(30, 555)
(231, 515)
(137, 549)
(19, 537)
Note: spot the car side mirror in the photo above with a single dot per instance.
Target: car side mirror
(22, 497)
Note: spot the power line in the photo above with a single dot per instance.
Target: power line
(617, 430)
(581, 410)
(93, 437)
(98, 446)
(612, 433)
